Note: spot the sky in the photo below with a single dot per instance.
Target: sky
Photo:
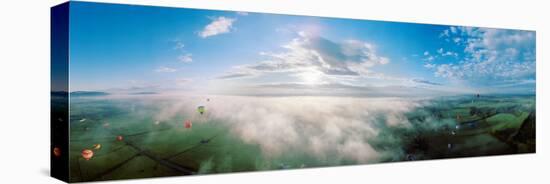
(126, 49)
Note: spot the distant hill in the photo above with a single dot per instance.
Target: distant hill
(144, 93)
(88, 93)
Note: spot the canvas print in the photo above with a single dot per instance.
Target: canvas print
(159, 91)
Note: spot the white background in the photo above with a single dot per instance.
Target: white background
(25, 75)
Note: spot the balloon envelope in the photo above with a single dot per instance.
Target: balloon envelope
(201, 109)
(187, 124)
(87, 154)
(97, 146)
(119, 138)
(57, 152)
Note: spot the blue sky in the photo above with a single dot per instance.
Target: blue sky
(124, 48)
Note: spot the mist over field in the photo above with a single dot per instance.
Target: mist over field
(320, 126)
(246, 133)
(331, 130)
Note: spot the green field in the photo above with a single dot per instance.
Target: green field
(344, 131)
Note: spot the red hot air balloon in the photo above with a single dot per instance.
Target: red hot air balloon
(87, 154)
(57, 152)
(187, 124)
(119, 138)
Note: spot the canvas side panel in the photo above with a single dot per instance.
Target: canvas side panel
(59, 119)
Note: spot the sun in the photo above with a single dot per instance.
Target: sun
(311, 77)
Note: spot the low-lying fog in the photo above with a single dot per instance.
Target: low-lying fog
(335, 128)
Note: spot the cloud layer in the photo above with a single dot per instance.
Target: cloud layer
(164, 69)
(322, 126)
(310, 55)
(331, 130)
(186, 58)
(490, 55)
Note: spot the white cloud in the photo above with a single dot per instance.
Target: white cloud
(233, 75)
(178, 45)
(429, 58)
(324, 128)
(186, 58)
(457, 40)
(219, 25)
(445, 33)
(449, 53)
(491, 55)
(426, 82)
(163, 69)
(442, 52)
(430, 65)
(452, 29)
(316, 130)
(309, 54)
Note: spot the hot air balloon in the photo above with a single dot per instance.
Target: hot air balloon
(87, 154)
(187, 124)
(56, 152)
(97, 146)
(119, 138)
(157, 122)
(201, 109)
